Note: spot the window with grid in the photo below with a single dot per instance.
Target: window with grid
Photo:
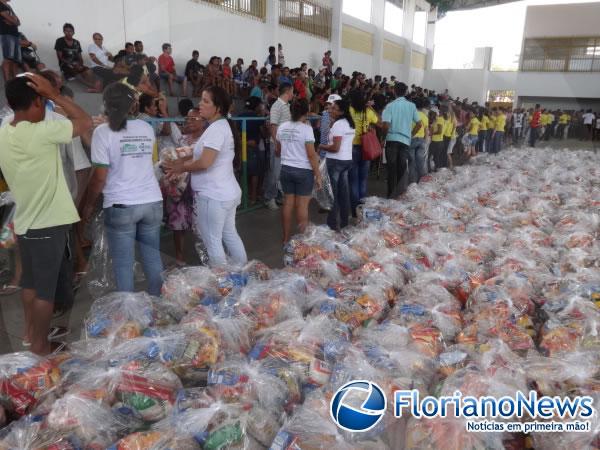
(306, 16)
(253, 8)
(561, 55)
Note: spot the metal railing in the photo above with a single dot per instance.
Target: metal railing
(253, 8)
(561, 55)
(243, 128)
(306, 16)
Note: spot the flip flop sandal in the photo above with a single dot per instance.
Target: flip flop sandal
(58, 347)
(9, 289)
(58, 332)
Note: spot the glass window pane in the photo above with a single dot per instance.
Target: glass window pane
(420, 28)
(394, 16)
(361, 9)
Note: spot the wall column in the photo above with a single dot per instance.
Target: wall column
(336, 31)
(378, 20)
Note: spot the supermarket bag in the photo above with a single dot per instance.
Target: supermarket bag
(324, 195)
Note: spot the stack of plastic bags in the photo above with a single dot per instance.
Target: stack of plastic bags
(486, 281)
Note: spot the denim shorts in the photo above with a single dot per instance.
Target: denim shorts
(295, 181)
(11, 48)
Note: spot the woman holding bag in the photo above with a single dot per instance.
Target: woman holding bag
(339, 162)
(364, 118)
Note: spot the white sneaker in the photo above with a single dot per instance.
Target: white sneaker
(272, 205)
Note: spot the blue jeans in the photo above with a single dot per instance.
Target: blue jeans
(124, 227)
(358, 177)
(215, 221)
(338, 176)
(418, 164)
(480, 147)
(272, 179)
(498, 141)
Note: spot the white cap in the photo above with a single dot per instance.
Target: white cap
(333, 98)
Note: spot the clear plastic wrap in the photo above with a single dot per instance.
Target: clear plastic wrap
(8, 238)
(100, 273)
(324, 194)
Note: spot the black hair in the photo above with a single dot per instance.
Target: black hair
(284, 87)
(118, 100)
(195, 52)
(401, 89)
(358, 100)
(212, 58)
(222, 101)
(252, 103)
(137, 42)
(165, 46)
(128, 44)
(68, 26)
(19, 95)
(146, 101)
(184, 106)
(299, 109)
(271, 49)
(344, 106)
(135, 75)
(227, 57)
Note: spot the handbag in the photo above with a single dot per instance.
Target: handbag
(371, 147)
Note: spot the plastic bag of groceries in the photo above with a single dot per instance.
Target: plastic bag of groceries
(101, 276)
(24, 379)
(191, 286)
(174, 187)
(218, 426)
(119, 316)
(8, 239)
(90, 422)
(309, 346)
(312, 242)
(324, 194)
(31, 433)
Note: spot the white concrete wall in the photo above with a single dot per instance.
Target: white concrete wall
(462, 83)
(562, 20)
(189, 26)
(389, 68)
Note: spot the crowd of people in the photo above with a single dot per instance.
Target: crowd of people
(309, 127)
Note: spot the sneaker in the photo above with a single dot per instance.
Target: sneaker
(58, 347)
(272, 205)
(58, 332)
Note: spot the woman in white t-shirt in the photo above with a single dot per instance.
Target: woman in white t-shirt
(217, 193)
(299, 167)
(124, 173)
(339, 162)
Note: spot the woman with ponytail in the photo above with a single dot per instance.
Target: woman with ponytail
(217, 193)
(124, 174)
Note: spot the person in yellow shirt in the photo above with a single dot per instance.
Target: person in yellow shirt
(490, 130)
(364, 118)
(484, 121)
(472, 138)
(418, 168)
(436, 149)
(498, 133)
(450, 134)
(563, 120)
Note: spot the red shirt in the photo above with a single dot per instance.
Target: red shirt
(300, 88)
(166, 63)
(227, 71)
(535, 119)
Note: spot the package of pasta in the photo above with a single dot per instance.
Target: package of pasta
(119, 316)
(24, 379)
(191, 286)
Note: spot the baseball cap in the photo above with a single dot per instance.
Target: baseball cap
(333, 98)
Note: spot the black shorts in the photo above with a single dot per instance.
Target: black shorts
(11, 47)
(295, 181)
(46, 261)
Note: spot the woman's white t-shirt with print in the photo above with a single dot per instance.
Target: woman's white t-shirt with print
(341, 128)
(218, 182)
(293, 137)
(128, 156)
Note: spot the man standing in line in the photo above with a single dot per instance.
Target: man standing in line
(280, 113)
(398, 118)
(534, 126)
(45, 209)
